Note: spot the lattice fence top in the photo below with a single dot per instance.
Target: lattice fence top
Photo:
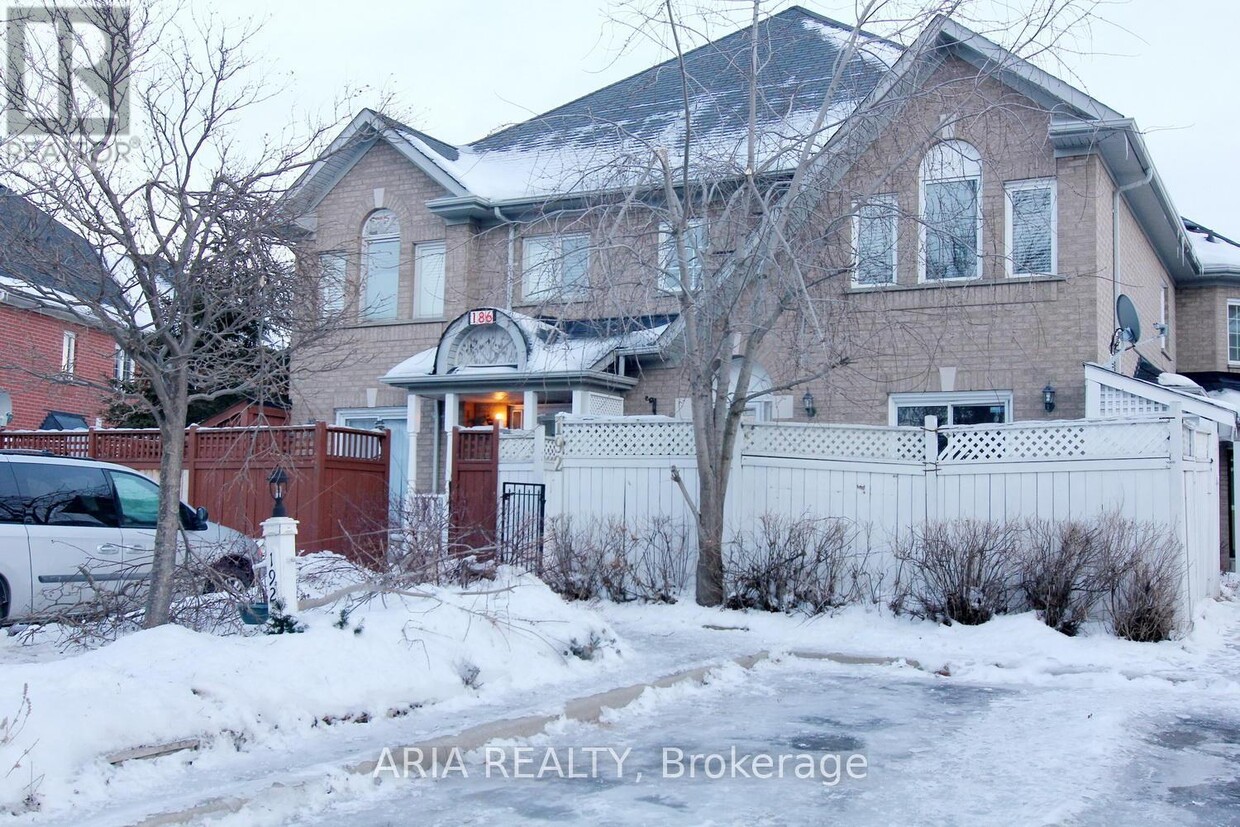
(1054, 440)
(516, 446)
(603, 404)
(621, 438)
(834, 441)
(1114, 402)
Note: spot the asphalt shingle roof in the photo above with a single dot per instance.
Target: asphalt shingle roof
(798, 53)
(39, 251)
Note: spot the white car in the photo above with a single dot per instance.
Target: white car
(72, 527)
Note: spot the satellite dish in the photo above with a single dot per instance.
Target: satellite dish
(1129, 322)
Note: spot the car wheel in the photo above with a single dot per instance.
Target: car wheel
(4, 599)
(229, 574)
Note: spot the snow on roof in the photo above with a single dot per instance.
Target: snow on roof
(1217, 253)
(551, 351)
(603, 140)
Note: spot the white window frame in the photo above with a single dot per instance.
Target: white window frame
(1227, 331)
(68, 353)
(971, 157)
(122, 365)
(551, 284)
(1009, 230)
(368, 312)
(896, 401)
(333, 285)
(428, 305)
(668, 283)
(889, 201)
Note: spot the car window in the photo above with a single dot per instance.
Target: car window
(71, 495)
(11, 508)
(138, 499)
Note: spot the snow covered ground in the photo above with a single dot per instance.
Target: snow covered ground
(1008, 722)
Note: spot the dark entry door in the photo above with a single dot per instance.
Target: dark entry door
(475, 491)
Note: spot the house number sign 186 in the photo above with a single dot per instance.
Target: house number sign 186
(482, 317)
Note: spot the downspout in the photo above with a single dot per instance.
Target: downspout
(1115, 257)
(509, 271)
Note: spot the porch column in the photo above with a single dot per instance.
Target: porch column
(530, 410)
(413, 426)
(451, 417)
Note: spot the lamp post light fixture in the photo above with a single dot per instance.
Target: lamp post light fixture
(278, 481)
(1048, 397)
(808, 402)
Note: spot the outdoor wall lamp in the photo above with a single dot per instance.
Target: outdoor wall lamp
(808, 401)
(1048, 397)
(279, 487)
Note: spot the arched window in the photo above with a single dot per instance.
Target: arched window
(951, 188)
(380, 264)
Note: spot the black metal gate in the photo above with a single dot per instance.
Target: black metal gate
(522, 511)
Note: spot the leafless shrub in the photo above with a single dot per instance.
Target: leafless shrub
(607, 559)
(791, 565)
(961, 571)
(1143, 571)
(12, 754)
(92, 612)
(1062, 570)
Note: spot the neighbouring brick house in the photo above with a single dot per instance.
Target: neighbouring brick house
(981, 261)
(54, 370)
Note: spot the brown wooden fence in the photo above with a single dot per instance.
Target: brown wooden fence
(338, 477)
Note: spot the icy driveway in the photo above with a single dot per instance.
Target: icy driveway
(939, 751)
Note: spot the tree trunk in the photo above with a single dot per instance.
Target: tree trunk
(709, 588)
(168, 525)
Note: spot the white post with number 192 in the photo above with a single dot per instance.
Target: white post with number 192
(280, 551)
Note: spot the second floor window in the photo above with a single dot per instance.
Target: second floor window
(332, 275)
(381, 265)
(555, 266)
(951, 186)
(695, 244)
(874, 234)
(1233, 332)
(122, 365)
(1031, 227)
(68, 353)
(429, 278)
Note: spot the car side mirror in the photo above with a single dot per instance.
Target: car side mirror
(201, 514)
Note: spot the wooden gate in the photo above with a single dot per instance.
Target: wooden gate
(474, 493)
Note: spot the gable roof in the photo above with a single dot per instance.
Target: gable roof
(38, 254)
(603, 140)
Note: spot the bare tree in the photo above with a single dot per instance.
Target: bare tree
(755, 228)
(192, 267)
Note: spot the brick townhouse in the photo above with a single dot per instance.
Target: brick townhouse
(992, 225)
(54, 370)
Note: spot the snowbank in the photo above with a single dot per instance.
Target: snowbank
(171, 683)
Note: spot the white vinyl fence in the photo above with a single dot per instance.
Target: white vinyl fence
(887, 481)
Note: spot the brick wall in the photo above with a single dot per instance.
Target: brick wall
(996, 332)
(31, 347)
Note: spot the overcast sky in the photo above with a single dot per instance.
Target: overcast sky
(460, 68)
